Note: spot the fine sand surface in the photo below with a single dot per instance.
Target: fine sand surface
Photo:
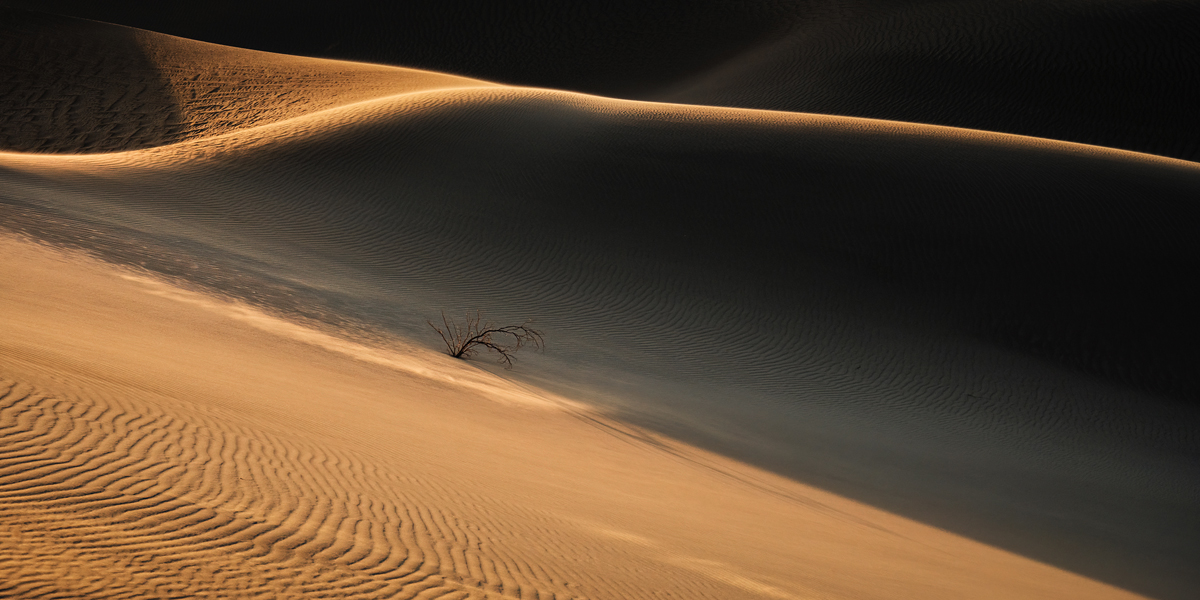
(160, 443)
(790, 355)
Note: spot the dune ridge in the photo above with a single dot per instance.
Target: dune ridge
(1109, 73)
(1106, 72)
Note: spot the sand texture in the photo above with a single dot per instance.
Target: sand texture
(232, 459)
(73, 86)
(790, 355)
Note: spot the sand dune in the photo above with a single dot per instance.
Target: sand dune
(754, 323)
(220, 461)
(983, 332)
(1027, 236)
(72, 86)
(1108, 72)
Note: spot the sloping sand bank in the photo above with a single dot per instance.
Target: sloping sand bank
(801, 292)
(155, 442)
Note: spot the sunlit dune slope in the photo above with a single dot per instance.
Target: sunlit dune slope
(1107, 72)
(159, 443)
(836, 299)
(69, 85)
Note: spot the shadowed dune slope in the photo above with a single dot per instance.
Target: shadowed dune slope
(832, 298)
(71, 86)
(1113, 73)
(1105, 72)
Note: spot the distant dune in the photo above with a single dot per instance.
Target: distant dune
(986, 333)
(1109, 72)
(75, 86)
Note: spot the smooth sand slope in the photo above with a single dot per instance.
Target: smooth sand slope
(987, 333)
(1109, 72)
(159, 443)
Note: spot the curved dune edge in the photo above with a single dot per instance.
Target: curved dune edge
(1111, 72)
(361, 113)
(221, 459)
(78, 86)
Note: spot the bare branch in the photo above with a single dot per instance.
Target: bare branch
(476, 333)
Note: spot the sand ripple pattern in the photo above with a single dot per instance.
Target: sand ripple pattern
(74, 86)
(111, 497)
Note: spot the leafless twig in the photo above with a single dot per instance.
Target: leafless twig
(464, 342)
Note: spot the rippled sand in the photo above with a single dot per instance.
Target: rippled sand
(160, 442)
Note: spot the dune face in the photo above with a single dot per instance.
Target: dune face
(1115, 73)
(789, 355)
